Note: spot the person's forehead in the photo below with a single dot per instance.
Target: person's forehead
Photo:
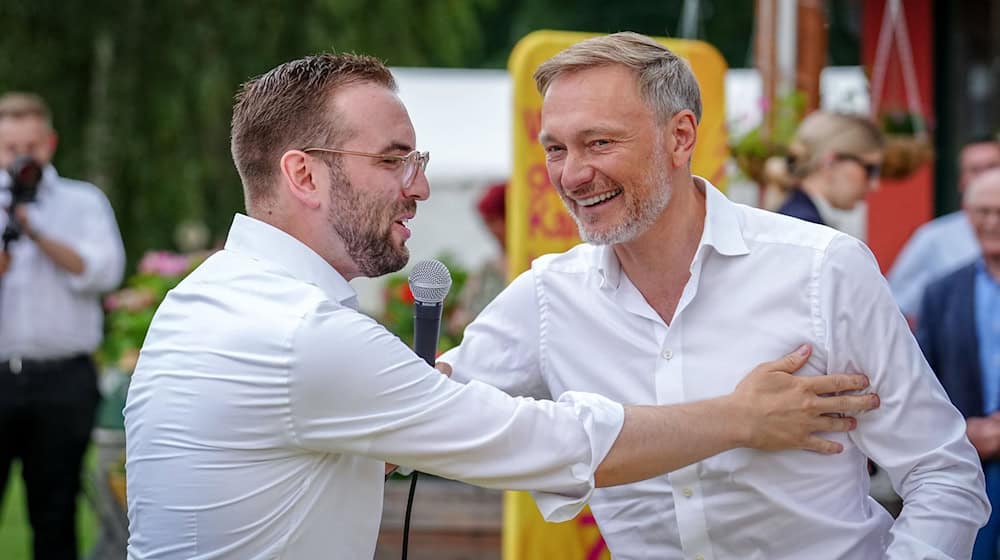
(984, 151)
(22, 127)
(374, 114)
(604, 92)
(985, 190)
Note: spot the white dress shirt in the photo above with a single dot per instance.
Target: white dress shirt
(45, 311)
(761, 284)
(264, 405)
(938, 247)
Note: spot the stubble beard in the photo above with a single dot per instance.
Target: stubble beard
(640, 214)
(365, 228)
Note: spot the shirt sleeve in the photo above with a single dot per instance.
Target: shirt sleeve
(501, 346)
(356, 388)
(96, 239)
(908, 276)
(916, 435)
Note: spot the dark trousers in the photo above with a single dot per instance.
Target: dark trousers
(46, 415)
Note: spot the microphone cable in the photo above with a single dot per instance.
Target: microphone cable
(409, 508)
(429, 283)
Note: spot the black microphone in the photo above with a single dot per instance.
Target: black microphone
(429, 282)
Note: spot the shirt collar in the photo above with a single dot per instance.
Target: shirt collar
(722, 233)
(264, 242)
(983, 274)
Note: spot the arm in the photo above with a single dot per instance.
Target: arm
(90, 249)
(501, 348)
(61, 254)
(909, 274)
(984, 433)
(769, 410)
(357, 389)
(917, 435)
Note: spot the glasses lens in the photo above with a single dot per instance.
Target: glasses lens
(414, 161)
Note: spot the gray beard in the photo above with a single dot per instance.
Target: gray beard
(639, 217)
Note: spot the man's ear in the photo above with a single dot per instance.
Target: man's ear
(684, 134)
(298, 171)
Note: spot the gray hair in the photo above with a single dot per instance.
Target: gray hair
(666, 82)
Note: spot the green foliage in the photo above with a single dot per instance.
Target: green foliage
(788, 112)
(142, 91)
(130, 310)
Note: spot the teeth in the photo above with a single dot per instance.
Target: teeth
(599, 198)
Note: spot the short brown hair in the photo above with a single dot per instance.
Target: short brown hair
(19, 105)
(666, 82)
(285, 109)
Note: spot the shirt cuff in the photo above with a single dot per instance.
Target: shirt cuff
(602, 420)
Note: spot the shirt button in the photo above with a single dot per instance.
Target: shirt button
(687, 492)
(667, 354)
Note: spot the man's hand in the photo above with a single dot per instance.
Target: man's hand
(444, 368)
(4, 262)
(785, 412)
(984, 433)
(21, 215)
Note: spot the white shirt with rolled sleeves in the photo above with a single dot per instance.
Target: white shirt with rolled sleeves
(46, 312)
(264, 406)
(761, 284)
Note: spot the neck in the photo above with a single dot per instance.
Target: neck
(814, 186)
(330, 247)
(662, 255)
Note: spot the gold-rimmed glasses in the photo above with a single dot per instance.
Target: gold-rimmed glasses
(410, 163)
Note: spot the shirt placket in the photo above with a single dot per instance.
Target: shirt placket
(689, 504)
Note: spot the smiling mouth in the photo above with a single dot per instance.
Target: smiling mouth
(597, 199)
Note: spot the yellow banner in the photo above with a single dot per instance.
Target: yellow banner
(538, 223)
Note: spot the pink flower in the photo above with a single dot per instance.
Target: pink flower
(164, 263)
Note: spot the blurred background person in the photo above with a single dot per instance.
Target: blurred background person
(833, 162)
(959, 332)
(489, 280)
(945, 243)
(64, 251)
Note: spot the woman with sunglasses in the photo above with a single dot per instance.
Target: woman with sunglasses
(833, 161)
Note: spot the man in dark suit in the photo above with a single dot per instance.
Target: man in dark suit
(959, 332)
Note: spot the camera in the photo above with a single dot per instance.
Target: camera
(25, 174)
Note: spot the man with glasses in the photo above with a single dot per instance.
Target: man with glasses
(675, 291)
(264, 406)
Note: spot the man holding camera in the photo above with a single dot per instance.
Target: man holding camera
(61, 251)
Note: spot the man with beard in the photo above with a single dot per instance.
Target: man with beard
(264, 406)
(674, 293)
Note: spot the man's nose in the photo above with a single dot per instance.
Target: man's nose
(575, 172)
(419, 188)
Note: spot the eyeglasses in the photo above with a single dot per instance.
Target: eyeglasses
(410, 163)
(872, 170)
